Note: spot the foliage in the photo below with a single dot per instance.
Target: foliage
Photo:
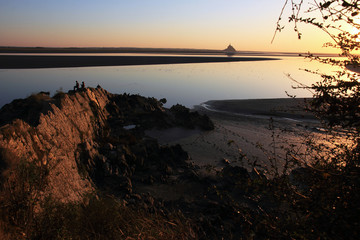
(104, 217)
(336, 98)
(323, 196)
(21, 193)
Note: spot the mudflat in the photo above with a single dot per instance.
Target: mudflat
(276, 107)
(246, 131)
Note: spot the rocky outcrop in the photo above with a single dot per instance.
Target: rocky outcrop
(90, 139)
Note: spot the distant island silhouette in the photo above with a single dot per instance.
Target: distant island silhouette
(230, 50)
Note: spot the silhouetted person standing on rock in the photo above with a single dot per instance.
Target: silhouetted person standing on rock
(76, 87)
(82, 85)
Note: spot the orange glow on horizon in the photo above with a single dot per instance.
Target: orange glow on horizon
(245, 25)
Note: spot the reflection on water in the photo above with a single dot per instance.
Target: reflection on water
(187, 84)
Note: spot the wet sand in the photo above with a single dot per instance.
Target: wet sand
(50, 61)
(276, 107)
(245, 132)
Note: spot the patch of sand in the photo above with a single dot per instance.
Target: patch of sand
(243, 138)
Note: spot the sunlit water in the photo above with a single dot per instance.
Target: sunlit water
(187, 84)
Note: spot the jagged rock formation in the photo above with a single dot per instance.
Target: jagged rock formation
(92, 139)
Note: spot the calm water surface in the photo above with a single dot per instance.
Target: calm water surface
(187, 84)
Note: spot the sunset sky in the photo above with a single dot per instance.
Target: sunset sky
(204, 24)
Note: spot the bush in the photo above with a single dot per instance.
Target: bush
(107, 218)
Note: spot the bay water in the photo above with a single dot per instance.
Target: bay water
(186, 84)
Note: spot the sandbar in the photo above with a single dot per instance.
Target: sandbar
(52, 61)
(276, 107)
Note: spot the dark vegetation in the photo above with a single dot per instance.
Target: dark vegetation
(331, 179)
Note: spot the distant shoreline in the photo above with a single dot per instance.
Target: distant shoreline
(136, 50)
(109, 50)
(49, 61)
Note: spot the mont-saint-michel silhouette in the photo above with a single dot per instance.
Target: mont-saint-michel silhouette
(230, 50)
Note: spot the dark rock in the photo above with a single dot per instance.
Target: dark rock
(231, 176)
(28, 110)
(184, 117)
(225, 161)
(150, 180)
(136, 196)
(174, 155)
(118, 184)
(168, 170)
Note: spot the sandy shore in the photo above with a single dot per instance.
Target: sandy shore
(278, 107)
(49, 61)
(245, 132)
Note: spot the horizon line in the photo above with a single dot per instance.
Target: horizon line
(199, 50)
